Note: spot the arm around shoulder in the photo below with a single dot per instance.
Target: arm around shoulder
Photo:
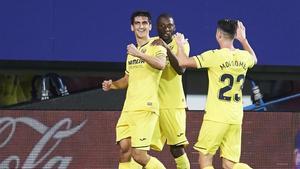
(172, 57)
(174, 62)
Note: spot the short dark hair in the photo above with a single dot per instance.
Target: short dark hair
(228, 26)
(163, 15)
(140, 13)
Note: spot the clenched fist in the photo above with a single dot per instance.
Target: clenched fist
(106, 85)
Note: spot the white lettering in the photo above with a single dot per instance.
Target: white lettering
(58, 132)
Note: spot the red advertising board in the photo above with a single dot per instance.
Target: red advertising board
(57, 139)
(86, 140)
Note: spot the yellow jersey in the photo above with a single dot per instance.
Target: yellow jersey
(170, 93)
(143, 81)
(226, 72)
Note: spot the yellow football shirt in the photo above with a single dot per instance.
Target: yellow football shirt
(226, 72)
(143, 81)
(170, 93)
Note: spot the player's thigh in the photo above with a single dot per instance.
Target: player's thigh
(173, 126)
(210, 136)
(158, 138)
(142, 125)
(122, 127)
(231, 145)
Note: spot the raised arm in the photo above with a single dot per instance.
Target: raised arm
(182, 58)
(158, 62)
(241, 37)
(115, 85)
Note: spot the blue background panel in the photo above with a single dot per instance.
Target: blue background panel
(93, 30)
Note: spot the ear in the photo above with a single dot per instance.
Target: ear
(131, 27)
(218, 34)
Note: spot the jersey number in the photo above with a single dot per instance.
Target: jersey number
(227, 88)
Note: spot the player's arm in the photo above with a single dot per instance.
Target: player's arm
(182, 58)
(241, 37)
(114, 85)
(172, 57)
(174, 63)
(157, 62)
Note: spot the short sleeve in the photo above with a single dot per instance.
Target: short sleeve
(205, 60)
(160, 51)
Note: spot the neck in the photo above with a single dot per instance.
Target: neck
(142, 41)
(168, 40)
(226, 44)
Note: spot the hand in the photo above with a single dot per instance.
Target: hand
(240, 32)
(159, 42)
(179, 39)
(132, 50)
(106, 84)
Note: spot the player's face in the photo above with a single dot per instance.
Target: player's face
(166, 29)
(141, 26)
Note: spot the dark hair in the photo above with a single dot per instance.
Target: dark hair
(140, 13)
(228, 26)
(163, 15)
